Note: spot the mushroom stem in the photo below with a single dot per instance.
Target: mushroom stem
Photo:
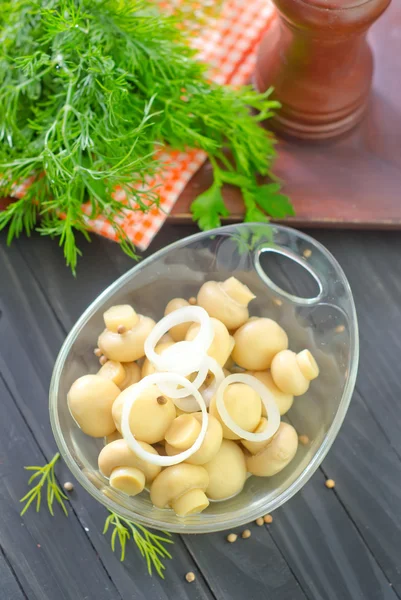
(307, 365)
(193, 501)
(129, 480)
(237, 291)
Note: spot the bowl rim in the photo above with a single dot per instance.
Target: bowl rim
(249, 515)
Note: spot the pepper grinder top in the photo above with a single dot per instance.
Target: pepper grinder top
(318, 59)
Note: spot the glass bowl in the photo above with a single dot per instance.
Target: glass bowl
(298, 283)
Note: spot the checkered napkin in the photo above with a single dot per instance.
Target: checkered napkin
(228, 44)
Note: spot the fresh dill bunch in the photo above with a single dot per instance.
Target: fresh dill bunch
(53, 492)
(89, 89)
(150, 544)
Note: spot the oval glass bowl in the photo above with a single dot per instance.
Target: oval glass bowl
(318, 314)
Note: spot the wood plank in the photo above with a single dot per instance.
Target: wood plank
(368, 476)
(10, 586)
(372, 263)
(29, 342)
(36, 546)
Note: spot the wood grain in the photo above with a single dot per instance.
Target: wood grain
(319, 545)
(27, 355)
(353, 181)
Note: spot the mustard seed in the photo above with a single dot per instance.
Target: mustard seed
(268, 519)
(192, 300)
(68, 486)
(259, 521)
(246, 534)
(97, 352)
(190, 577)
(232, 537)
(330, 483)
(304, 440)
(121, 329)
(307, 253)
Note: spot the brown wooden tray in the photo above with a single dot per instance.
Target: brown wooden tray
(354, 181)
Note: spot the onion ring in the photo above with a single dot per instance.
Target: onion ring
(188, 355)
(136, 390)
(189, 402)
(273, 414)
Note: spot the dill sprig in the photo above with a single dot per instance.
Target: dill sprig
(150, 545)
(53, 491)
(89, 89)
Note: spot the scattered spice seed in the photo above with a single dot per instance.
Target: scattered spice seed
(97, 352)
(246, 534)
(38, 546)
(303, 439)
(268, 519)
(307, 253)
(68, 486)
(330, 483)
(103, 360)
(190, 577)
(121, 329)
(232, 537)
(259, 521)
(161, 400)
(192, 300)
(277, 301)
(340, 329)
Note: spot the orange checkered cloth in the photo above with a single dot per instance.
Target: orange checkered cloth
(228, 44)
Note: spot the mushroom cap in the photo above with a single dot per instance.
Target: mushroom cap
(222, 343)
(255, 447)
(257, 342)
(284, 401)
(128, 480)
(287, 374)
(227, 471)
(120, 315)
(90, 401)
(119, 454)
(210, 446)
(113, 370)
(128, 346)
(183, 432)
(173, 482)
(277, 453)
(220, 305)
(148, 420)
(178, 332)
(244, 406)
(132, 375)
(307, 364)
(147, 367)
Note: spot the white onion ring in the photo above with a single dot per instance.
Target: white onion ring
(189, 402)
(273, 414)
(136, 391)
(188, 355)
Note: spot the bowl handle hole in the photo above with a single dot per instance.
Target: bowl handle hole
(288, 275)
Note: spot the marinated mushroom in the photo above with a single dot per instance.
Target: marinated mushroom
(127, 346)
(120, 318)
(147, 367)
(277, 453)
(210, 446)
(244, 407)
(150, 417)
(255, 447)
(292, 373)
(284, 401)
(90, 401)
(227, 472)
(227, 301)
(132, 375)
(178, 332)
(257, 342)
(181, 487)
(114, 371)
(127, 472)
(222, 343)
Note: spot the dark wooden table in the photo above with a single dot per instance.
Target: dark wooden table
(341, 544)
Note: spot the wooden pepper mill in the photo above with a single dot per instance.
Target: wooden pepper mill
(317, 58)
